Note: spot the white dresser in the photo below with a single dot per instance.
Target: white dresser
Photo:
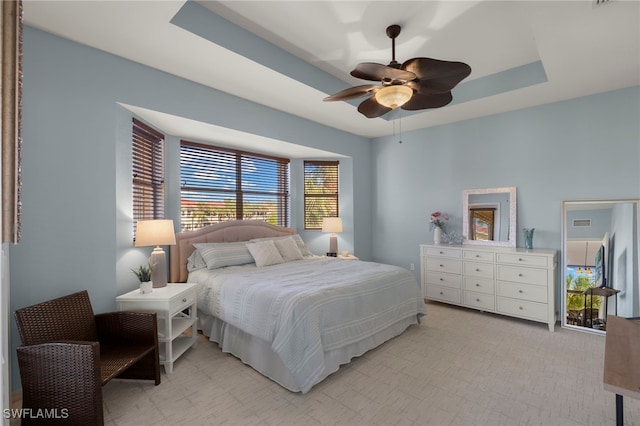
(508, 281)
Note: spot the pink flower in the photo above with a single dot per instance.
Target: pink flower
(437, 220)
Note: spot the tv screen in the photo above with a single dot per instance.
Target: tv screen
(601, 276)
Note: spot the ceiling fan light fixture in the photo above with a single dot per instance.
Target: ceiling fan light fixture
(394, 96)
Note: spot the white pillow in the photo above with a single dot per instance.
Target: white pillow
(195, 261)
(218, 255)
(288, 249)
(265, 253)
(296, 237)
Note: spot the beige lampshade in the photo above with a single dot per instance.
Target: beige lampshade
(157, 232)
(394, 96)
(331, 224)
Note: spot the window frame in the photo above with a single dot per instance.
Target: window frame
(240, 193)
(331, 198)
(148, 160)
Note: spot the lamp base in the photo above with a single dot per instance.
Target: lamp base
(158, 263)
(333, 243)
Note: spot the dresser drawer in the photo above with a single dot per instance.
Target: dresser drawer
(533, 293)
(480, 285)
(442, 252)
(477, 269)
(522, 275)
(444, 294)
(523, 308)
(480, 256)
(482, 301)
(443, 279)
(523, 259)
(444, 265)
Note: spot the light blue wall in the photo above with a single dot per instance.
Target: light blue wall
(76, 221)
(581, 149)
(600, 224)
(76, 226)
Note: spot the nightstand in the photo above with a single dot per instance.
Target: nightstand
(175, 305)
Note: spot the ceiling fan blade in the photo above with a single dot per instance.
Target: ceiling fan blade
(353, 92)
(372, 109)
(434, 75)
(376, 72)
(420, 101)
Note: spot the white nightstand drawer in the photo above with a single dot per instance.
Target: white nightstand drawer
(533, 293)
(486, 302)
(444, 294)
(443, 279)
(480, 285)
(182, 301)
(477, 269)
(523, 275)
(444, 265)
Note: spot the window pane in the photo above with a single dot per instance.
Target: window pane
(219, 185)
(148, 173)
(321, 196)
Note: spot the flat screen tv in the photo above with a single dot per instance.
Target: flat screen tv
(601, 267)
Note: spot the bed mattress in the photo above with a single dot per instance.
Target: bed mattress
(311, 315)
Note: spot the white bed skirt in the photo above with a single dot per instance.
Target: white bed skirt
(258, 353)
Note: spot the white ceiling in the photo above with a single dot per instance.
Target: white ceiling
(584, 49)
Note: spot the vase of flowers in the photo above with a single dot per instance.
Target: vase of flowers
(437, 224)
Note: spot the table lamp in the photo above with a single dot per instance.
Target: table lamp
(333, 225)
(156, 233)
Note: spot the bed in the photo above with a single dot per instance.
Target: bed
(292, 316)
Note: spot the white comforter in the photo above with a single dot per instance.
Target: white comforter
(310, 306)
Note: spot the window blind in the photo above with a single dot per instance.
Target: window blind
(148, 173)
(221, 184)
(321, 192)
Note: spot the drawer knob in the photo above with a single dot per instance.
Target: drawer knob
(477, 255)
(477, 270)
(441, 265)
(477, 300)
(519, 275)
(441, 252)
(477, 285)
(520, 291)
(184, 299)
(441, 279)
(520, 260)
(521, 308)
(441, 293)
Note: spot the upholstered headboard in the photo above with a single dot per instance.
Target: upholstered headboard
(227, 232)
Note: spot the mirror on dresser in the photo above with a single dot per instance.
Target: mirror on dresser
(489, 216)
(600, 262)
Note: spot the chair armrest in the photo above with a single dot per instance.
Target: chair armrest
(65, 376)
(127, 326)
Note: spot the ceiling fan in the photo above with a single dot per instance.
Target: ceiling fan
(419, 83)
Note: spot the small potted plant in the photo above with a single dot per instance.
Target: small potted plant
(144, 276)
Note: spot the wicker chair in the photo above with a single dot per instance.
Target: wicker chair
(69, 353)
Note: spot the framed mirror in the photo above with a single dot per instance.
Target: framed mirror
(489, 216)
(600, 262)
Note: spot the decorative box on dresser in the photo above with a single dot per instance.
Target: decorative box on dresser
(509, 281)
